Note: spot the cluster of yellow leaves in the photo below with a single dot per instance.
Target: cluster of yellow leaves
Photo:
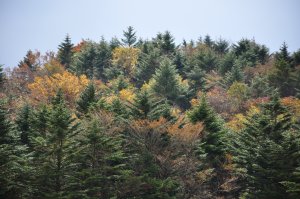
(184, 130)
(126, 57)
(44, 88)
(237, 123)
(127, 94)
(52, 67)
(237, 92)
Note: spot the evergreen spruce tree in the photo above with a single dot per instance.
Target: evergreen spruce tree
(85, 61)
(54, 151)
(2, 76)
(102, 60)
(196, 79)
(266, 152)
(65, 52)
(13, 162)
(86, 99)
(214, 145)
(129, 37)
(147, 106)
(283, 53)
(234, 75)
(23, 123)
(148, 63)
(166, 80)
(102, 171)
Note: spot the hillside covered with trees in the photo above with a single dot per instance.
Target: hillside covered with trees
(131, 118)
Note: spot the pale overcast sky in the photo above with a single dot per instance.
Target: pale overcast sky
(43, 24)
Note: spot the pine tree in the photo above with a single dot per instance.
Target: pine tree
(147, 65)
(147, 106)
(214, 144)
(102, 166)
(102, 60)
(166, 80)
(13, 162)
(2, 75)
(129, 37)
(168, 45)
(23, 123)
(85, 61)
(196, 79)
(266, 151)
(86, 99)
(234, 75)
(65, 52)
(283, 54)
(54, 151)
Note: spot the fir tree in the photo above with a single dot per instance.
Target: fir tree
(234, 75)
(86, 99)
(2, 75)
(214, 145)
(266, 152)
(65, 52)
(55, 150)
(147, 106)
(23, 123)
(102, 170)
(13, 162)
(129, 37)
(166, 80)
(147, 65)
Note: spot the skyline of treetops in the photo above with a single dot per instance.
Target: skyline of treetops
(132, 118)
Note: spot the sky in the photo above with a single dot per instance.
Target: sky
(43, 24)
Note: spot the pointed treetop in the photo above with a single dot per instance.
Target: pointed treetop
(129, 37)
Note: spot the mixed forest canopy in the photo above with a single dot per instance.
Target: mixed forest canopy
(149, 119)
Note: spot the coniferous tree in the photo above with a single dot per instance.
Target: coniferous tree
(13, 162)
(129, 37)
(147, 65)
(196, 79)
(102, 166)
(54, 151)
(266, 152)
(166, 80)
(86, 99)
(146, 106)
(2, 76)
(214, 145)
(234, 75)
(65, 52)
(23, 123)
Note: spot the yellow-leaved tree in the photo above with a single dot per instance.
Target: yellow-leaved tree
(126, 58)
(44, 88)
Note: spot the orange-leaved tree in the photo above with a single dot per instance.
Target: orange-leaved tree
(44, 88)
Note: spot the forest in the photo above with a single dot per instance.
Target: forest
(133, 118)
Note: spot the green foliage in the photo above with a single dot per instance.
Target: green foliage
(147, 106)
(65, 52)
(147, 65)
(54, 150)
(23, 124)
(165, 42)
(266, 151)
(86, 99)
(129, 37)
(234, 75)
(213, 141)
(13, 162)
(196, 78)
(2, 75)
(166, 80)
(101, 171)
